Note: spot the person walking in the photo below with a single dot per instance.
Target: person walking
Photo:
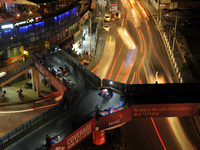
(66, 70)
(2, 97)
(53, 72)
(19, 91)
(43, 57)
(48, 142)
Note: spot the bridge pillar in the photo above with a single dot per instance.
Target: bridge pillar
(33, 77)
(38, 82)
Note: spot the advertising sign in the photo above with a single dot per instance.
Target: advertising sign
(49, 77)
(77, 136)
(7, 26)
(165, 110)
(115, 119)
(24, 22)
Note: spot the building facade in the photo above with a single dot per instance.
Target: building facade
(39, 33)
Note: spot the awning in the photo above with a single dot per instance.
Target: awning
(41, 1)
(18, 2)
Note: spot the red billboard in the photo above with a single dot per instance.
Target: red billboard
(49, 77)
(76, 137)
(165, 110)
(115, 119)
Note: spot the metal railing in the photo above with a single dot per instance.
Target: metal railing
(114, 84)
(91, 77)
(15, 71)
(31, 125)
(12, 65)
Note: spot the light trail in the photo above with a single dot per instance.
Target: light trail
(133, 78)
(142, 10)
(152, 43)
(93, 70)
(158, 134)
(126, 38)
(108, 58)
(142, 56)
(109, 43)
(179, 133)
(103, 67)
(52, 94)
(122, 65)
(110, 74)
(135, 18)
(127, 72)
(130, 56)
(147, 12)
(26, 110)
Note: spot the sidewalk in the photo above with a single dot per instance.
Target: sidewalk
(11, 96)
(85, 47)
(185, 73)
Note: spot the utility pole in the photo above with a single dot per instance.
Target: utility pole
(175, 33)
(97, 8)
(160, 5)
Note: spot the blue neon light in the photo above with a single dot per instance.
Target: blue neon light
(56, 19)
(39, 23)
(73, 11)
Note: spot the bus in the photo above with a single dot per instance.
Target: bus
(112, 5)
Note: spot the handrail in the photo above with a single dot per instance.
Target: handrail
(15, 71)
(12, 65)
(90, 76)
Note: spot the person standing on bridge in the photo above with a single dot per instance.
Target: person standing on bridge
(48, 142)
(19, 91)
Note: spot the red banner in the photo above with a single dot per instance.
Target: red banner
(165, 110)
(115, 119)
(76, 137)
(49, 77)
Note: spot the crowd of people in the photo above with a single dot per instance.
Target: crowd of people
(61, 73)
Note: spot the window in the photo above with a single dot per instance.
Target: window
(14, 52)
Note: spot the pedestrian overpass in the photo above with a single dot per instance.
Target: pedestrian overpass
(145, 100)
(135, 94)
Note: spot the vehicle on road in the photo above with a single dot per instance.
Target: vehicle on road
(107, 17)
(117, 14)
(112, 5)
(106, 27)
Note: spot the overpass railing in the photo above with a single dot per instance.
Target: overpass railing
(15, 71)
(31, 125)
(114, 84)
(91, 77)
